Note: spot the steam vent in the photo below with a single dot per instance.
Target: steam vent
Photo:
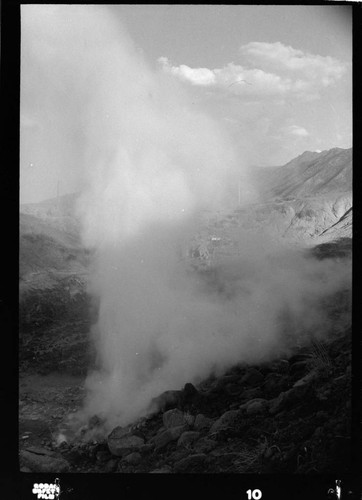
(185, 222)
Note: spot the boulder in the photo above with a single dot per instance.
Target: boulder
(192, 463)
(257, 406)
(41, 460)
(161, 440)
(173, 418)
(289, 398)
(188, 438)
(245, 405)
(205, 445)
(202, 422)
(277, 405)
(192, 399)
(178, 454)
(121, 444)
(227, 421)
(166, 401)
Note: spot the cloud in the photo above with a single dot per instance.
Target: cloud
(196, 76)
(283, 58)
(296, 131)
(233, 78)
(267, 69)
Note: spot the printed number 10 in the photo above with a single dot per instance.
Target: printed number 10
(254, 494)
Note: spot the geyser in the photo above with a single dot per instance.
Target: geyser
(149, 163)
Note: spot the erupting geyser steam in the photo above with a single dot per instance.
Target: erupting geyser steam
(149, 163)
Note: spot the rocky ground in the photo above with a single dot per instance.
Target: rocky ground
(291, 414)
(288, 415)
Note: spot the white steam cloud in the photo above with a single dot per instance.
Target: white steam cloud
(149, 163)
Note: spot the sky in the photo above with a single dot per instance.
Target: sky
(278, 79)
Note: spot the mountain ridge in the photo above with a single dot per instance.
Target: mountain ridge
(310, 174)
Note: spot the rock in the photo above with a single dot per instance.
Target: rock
(191, 463)
(178, 454)
(161, 440)
(307, 379)
(102, 456)
(121, 444)
(288, 399)
(161, 429)
(111, 465)
(133, 458)
(173, 418)
(202, 422)
(119, 432)
(192, 399)
(205, 445)
(269, 452)
(277, 404)
(227, 421)
(252, 393)
(166, 401)
(244, 406)
(187, 438)
(252, 378)
(146, 448)
(189, 390)
(43, 462)
(190, 419)
(257, 406)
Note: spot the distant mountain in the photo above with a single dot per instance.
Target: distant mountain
(310, 174)
(308, 201)
(50, 238)
(61, 206)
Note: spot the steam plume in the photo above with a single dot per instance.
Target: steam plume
(149, 164)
